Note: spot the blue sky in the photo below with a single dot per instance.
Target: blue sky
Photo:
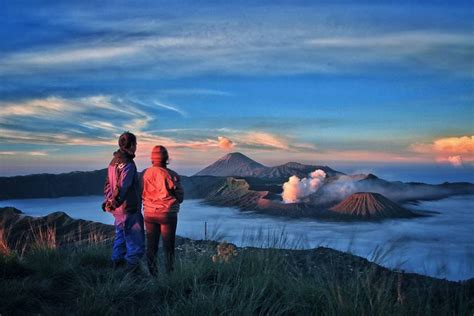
(340, 83)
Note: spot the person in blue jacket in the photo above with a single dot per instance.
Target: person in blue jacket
(123, 200)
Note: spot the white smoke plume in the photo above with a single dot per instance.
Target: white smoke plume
(338, 189)
(296, 189)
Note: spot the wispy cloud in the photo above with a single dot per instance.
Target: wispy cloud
(209, 92)
(403, 41)
(38, 107)
(435, 50)
(99, 125)
(211, 45)
(52, 138)
(88, 121)
(23, 153)
(72, 55)
(170, 107)
(263, 140)
(260, 141)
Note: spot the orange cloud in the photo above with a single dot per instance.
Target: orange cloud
(455, 145)
(454, 150)
(225, 143)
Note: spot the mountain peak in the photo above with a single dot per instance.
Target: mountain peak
(235, 155)
(232, 164)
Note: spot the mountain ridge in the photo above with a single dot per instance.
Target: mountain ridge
(237, 164)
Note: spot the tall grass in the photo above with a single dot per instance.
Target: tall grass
(4, 248)
(258, 281)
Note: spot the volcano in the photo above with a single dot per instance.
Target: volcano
(233, 164)
(370, 205)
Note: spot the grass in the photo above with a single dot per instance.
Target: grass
(78, 280)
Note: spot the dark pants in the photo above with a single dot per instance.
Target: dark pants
(164, 225)
(129, 240)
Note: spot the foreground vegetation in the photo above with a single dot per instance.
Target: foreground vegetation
(79, 280)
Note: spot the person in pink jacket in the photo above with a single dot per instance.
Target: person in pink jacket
(162, 196)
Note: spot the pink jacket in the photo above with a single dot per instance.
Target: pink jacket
(162, 191)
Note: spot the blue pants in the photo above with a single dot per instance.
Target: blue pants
(129, 241)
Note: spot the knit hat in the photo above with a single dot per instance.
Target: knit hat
(126, 140)
(159, 154)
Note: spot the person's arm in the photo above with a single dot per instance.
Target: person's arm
(107, 188)
(178, 189)
(126, 181)
(140, 182)
(110, 194)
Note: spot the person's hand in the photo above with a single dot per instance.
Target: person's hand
(109, 206)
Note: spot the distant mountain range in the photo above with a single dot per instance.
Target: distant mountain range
(239, 165)
(53, 185)
(80, 183)
(236, 180)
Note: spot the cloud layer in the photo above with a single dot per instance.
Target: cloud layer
(266, 40)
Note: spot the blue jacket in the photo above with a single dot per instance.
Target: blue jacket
(121, 185)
